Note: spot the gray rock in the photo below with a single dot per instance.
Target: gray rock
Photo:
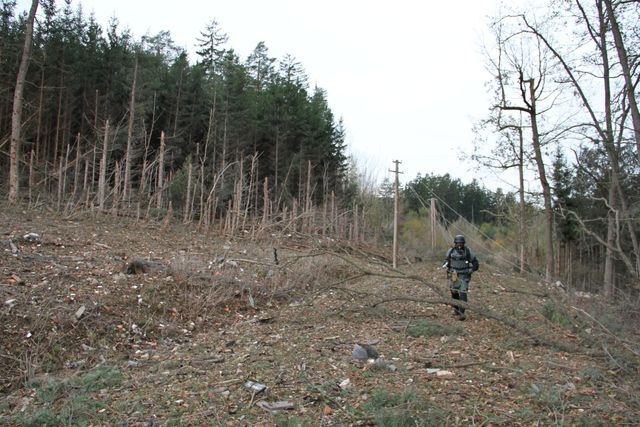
(364, 352)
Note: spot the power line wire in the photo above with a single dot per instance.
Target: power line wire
(471, 225)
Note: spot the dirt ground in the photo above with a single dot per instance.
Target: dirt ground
(109, 321)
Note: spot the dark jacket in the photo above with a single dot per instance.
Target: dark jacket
(462, 261)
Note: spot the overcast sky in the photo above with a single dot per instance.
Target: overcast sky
(407, 76)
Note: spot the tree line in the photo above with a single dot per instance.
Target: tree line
(111, 120)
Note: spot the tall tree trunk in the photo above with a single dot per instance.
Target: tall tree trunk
(115, 201)
(76, 172)
(626, 71)
(265, 201)
(177, 112)
(521, 220)
(307, 203)
(546, 188)
(203, 162)
(126, 189)
(57, 137)
(39, 121)
(16, 116)
(609, 144)
(608, 282)
(187, 206)
(275, 165)
(612, 230)
(31, 174)
(160, 183)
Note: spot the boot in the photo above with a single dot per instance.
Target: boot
(456, 309)
(463, 297)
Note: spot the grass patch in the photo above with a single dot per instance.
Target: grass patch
(549, 397)
(403, 409)
(526, 414)
(514, 343)
(262, 365)
(71, 401)
(422, 328)
(591, 373)
(291, 421)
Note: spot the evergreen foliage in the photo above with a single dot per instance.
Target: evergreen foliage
(222, 109)
(471, 201)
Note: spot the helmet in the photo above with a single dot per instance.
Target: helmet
(459, 239)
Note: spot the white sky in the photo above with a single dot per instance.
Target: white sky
(407, 77)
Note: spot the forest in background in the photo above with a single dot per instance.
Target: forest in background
(115, 124)
(134, 114)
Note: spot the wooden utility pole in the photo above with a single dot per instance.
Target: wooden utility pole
(432, 216)
(396, 208)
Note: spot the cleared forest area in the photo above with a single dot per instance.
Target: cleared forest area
(191, 243)
(115, 321)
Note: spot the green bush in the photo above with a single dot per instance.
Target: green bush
(556, 314)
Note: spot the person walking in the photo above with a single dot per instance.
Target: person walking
(460, 263)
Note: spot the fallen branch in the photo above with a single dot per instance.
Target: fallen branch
(520, 291)
(442, 298)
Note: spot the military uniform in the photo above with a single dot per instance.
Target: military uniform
(461, 262)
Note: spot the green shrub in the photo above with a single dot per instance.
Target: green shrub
(557, 314)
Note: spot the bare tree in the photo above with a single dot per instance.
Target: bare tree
(522, 67)
(507, 153)
(602, 98)
(604, 134)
